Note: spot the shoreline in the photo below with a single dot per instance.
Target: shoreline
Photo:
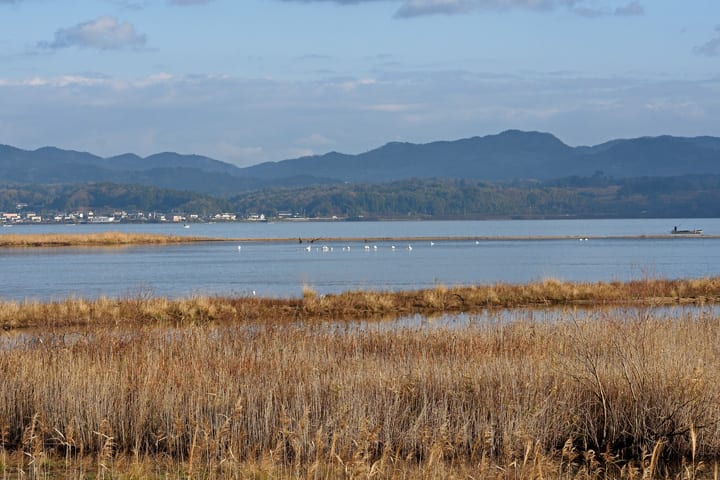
(353, 305)
(463, 238)
(112, 238)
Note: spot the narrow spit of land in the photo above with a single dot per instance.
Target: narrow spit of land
(478, 238)
(103, 239)
(352, 306)
(110, 239)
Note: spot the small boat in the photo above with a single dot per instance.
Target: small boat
(696, 231)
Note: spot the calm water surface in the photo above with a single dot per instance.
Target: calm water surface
(32, 338)
(283, 269)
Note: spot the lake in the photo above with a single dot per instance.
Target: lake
(282, 269)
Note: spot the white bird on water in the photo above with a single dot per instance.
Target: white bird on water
(410, 248)
(432, 243)
(239, 247)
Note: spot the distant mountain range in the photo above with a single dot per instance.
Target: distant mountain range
(196, 173)
(506, 156)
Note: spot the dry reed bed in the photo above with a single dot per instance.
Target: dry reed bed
(143, 308)
(103, 239)
(612, 397)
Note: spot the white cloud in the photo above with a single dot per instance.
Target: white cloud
(316, 140)
(589, 12)
(680, 109)
(632, 8)
(391, 107)
(104, 33)
(132, 4)
(711, 48)
(61, 81)
(298, 152)
(248, 121)
(349, 84)
(90, 81)
(185, 3)
(417, 8)
(340, 2)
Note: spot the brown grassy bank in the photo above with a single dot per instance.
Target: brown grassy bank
(145, 309)
(103, 239)
(617, 396)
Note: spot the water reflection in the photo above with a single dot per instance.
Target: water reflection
(59, 338)
(549, 315)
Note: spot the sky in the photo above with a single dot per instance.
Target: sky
(248, 81)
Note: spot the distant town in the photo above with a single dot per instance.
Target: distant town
(28, 217)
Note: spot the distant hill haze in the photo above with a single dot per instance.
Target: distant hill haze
(509, 155)
(506, 156)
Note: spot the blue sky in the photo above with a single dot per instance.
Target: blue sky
(247, 81)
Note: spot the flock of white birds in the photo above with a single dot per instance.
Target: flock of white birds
(348, 248)
(374, 247)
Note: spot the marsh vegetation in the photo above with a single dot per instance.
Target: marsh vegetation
(101, 239)
(269, 388)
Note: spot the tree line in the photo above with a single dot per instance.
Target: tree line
(596, 196)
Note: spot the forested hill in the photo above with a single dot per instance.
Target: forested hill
(693, 196)
(587, 197)
(506, 156)
(169, 170)
(510, 155)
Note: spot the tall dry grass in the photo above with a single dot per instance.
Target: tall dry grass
(102, 239)
(614, 396)
(145, 309)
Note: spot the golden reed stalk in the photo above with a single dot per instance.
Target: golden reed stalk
(145, 309)
(609, 393)
(103, 239)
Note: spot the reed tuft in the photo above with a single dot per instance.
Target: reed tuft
(102, 239)
(237, 388)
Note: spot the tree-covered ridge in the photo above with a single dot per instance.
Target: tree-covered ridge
(503, 157)
(595, 196)
(598, 196)
(105, 196)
